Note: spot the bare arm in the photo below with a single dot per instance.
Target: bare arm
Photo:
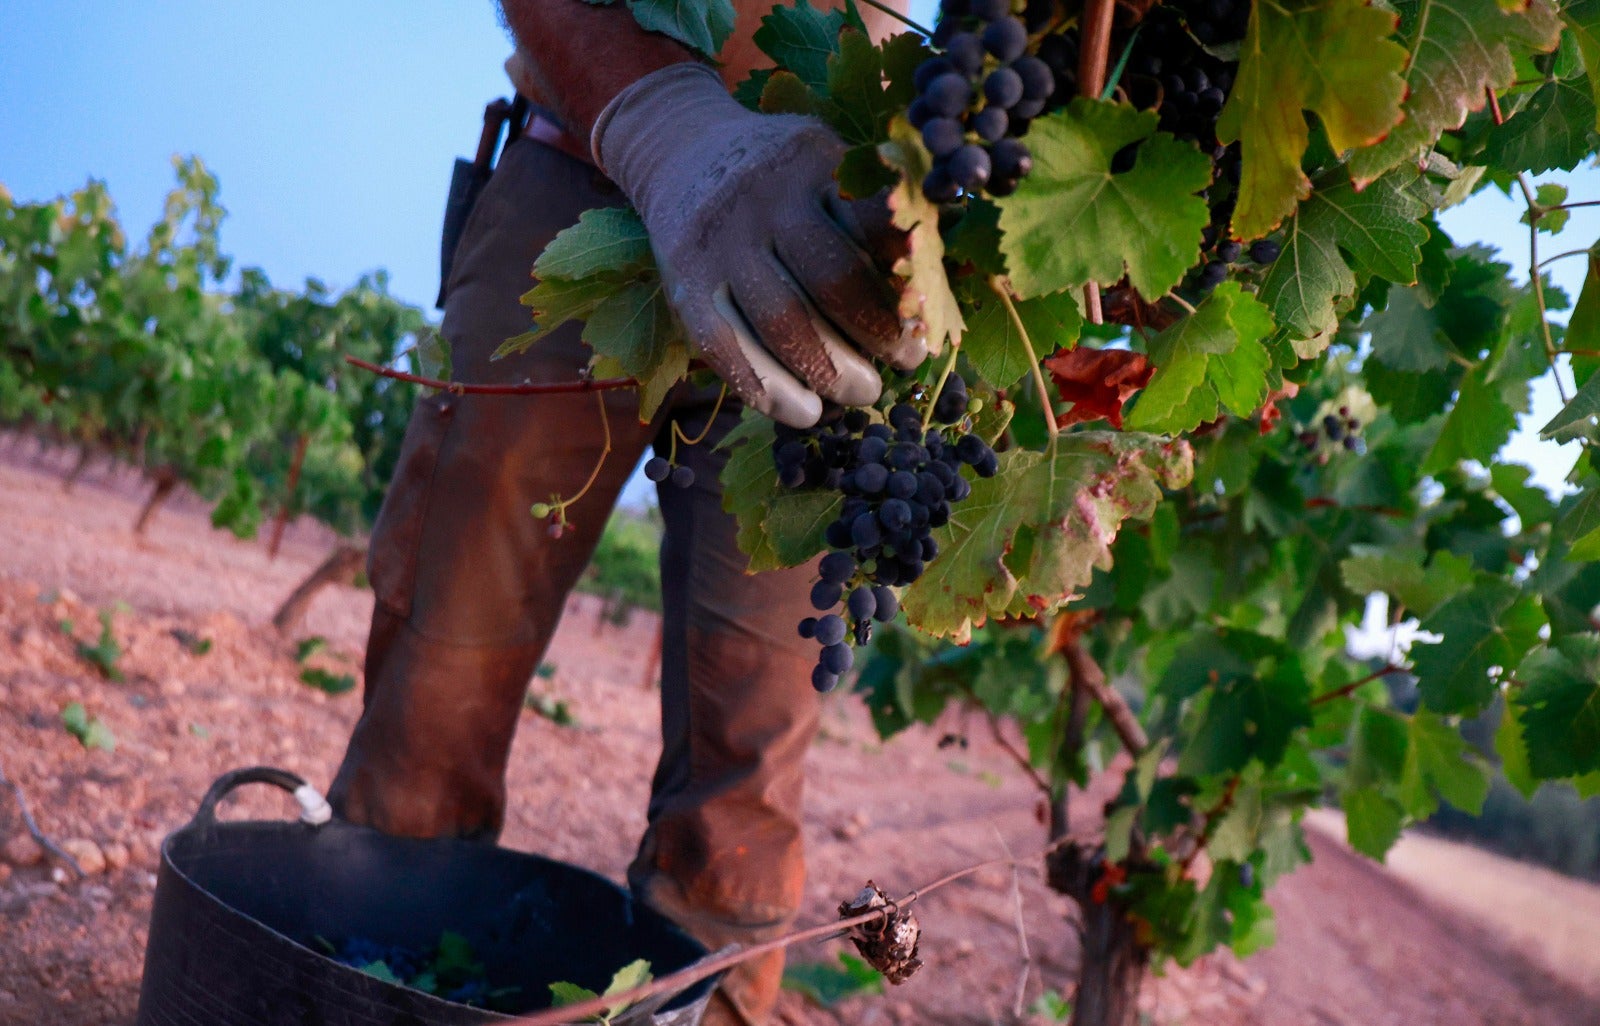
(583, 55)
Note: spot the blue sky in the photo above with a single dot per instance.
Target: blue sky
(332, 128)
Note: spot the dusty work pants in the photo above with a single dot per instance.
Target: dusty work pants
(470, 587)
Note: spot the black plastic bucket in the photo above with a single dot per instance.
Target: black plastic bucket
(238, 906)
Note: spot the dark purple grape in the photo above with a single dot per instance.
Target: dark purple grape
(989, 466)
(965, 51)
(929, 70)
(822, 680)
(1213, 274)
(1009, 158)
(683, 477)
(792, 476)
(871, 478)
(990, 124)
(1333, 427)
(837, 567)
(1038, 82)
(808, 627)
(943, 136)
(970, 449)
(948, 95)
(1002, 88)
(864, 534)
(903, 416)
(1265, 251)
(888, 604)
(1229, 251)
(1006, 38)
(969, 167)
(902, 485)
(894, 514)
(1025, 111)
(825, 595)
(939, 187)
(919, 113)
(861, 603)
(1002, 186)
(836, 659)
(989, 10)
(830, 629)
(872, 449)
(657, 469)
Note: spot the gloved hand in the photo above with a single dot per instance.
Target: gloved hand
(762, 261)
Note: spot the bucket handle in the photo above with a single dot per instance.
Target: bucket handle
(314, 808)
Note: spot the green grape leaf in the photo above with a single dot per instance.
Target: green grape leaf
(1073, 221)
(975, 239)
(1559, 707)
(1583, 327)
(606, 240)
(1379, 747)
(1330, 57)
(1407, 335)
(1069, 502)
(554, 302)
(1399, 572)
(858, 105)
(777, 527)
(1480, 422)
(636, 330)
(1555, 130)
(1460, 49)
(563, 993)
(1513, 752)
(1582, 18)
(1376, 231)
(1579, 526)
(926, 296)
(702, 25)
(784, 93)
(998, 352)
(1372, 821)
(1550, 194)
(1440, 764)
(1210, 361)
(1490, 626)
(862, 173)
(1580, 418)
(1531, 503)
(748, 92)
(827, 984)
(1246, 716)
(802, 39)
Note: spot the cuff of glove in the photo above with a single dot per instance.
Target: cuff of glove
(675, 88)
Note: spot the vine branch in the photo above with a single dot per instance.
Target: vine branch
(465, 388)
(33, 827)
(1350, 688)
(901, 18)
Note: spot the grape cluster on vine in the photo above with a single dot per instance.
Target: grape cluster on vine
(1341, 429)
(975, 100)
(899, 479)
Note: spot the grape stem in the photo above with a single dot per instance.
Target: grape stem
(678, 432)
(605, 450)
(938, 387)
(526, 388)
(1181, 302)
(1033, 357)
(891, 12)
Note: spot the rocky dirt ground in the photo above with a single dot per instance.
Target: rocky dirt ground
(1358, 944)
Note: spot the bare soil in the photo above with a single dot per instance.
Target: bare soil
(1482, 942)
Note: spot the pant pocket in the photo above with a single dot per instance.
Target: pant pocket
(397, 536)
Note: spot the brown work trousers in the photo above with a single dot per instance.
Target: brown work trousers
(470, 587)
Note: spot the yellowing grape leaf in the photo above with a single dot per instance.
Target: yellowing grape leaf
(1331, 57)
(927, 294)
(1073, 220)
(1459, 50)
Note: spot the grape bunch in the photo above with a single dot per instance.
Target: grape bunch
(975, 100)
(1337, 429)
(899, 481)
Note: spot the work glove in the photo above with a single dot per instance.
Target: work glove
(764, 264)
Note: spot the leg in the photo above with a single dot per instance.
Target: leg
(469, 586)
(722, 854)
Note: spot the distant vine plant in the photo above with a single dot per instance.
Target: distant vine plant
(1211, 227)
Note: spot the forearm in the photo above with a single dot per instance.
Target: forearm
(583, 55)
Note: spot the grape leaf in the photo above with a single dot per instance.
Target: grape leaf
(1459, 49)
(1580, 418)
(1379, 741)
(862, 172)
(1210, 361)
(1406, 334)
(1559, 707)
(777, 527)
(1372, 821)
(1582, 18)
(1549, 194)
(1555, 130)
(802, 39)
(1440, 764)
(1513, 752)
(998, 352)
(1492, 625)
(748, 92)
(784, 93)
(1097, 382)
(606, 240)
(1379, 228)
(636, 330)
(1330, 57)
(858, 105)
(1073, 221)
(1476, 427)
(1580, 526)
(1399, 572)
(1246, 716)
(554, 302)
(702, 25)
(927, 294)
(1071, 499)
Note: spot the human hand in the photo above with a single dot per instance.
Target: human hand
(765, 266)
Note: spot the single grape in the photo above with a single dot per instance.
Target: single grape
(683, 477)
(1213, 274)
(861, 603)
(989, 466)
(939, 187)
(1010, 159)
(822, 680)
(970, 449)
(1333, 427)
(902, 485)
(871, 478)
(919, 113)
(837, 567)
(657, 469)
(903, 416)
(1229, 251)
(948, 95)
(825, 595)
(1002, 88)
(1024, 111)
(837, 534)
(1006, 38)
(929, 70)
(1265, 251)
(1038, 82)
(989, 10)
(836, 659)
(792, 476)
(864, 533)
(965, 51)
(943, 136)
(808, 627)
(830, 629)
(989, 124)
(894, 514)
(969, 167)
(872, 449)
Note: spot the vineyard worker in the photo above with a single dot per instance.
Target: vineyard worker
(469, 587)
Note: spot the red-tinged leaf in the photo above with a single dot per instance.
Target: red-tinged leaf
(1097, 382)
(1270, 414)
